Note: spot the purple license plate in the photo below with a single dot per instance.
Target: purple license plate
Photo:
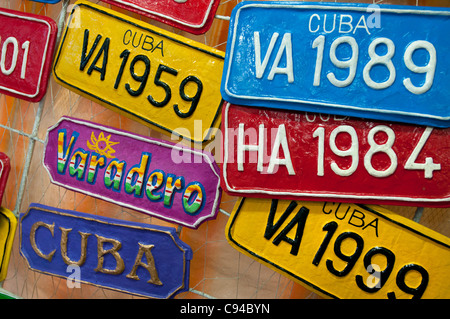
(133, 171)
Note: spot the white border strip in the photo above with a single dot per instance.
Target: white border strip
(1, 170)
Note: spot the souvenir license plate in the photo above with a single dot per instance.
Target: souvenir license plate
(137, 172)
(5, 167)
(194, 16)
(379, 62)
(298, 155)
(149, 74)
(343, 250)
(27, 44)
(8, 225)
(130, 257)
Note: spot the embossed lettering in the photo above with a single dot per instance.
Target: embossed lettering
(64, 238)
(149, 266)
(103, 52)
(36, 249)
(101, 252)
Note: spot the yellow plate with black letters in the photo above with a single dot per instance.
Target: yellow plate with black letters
(148, 74)
(8, 225)
(343, 250)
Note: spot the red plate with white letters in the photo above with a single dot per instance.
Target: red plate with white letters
(27, 42)
(194, 16)
(297, 155)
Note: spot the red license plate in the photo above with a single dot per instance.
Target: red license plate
(297, 155)
(27, 42)
(194, 16)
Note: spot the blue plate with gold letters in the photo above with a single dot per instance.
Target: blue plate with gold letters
(136, 258)
(373, 61)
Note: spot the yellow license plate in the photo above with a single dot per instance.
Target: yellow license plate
(151, 75)
(8, 225)
(343, 250)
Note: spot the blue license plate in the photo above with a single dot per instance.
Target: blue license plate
(372, 61)
(136, 258)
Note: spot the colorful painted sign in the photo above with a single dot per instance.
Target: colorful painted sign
(194, 16)
(5, 167)
(133, 171)
(343, 250)
(373, 61)
(309, 156)
(126, 256)
(27, 43)
(8, 225)
(151, 75)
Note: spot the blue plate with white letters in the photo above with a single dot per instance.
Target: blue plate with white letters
(372, 61)
(47, 1)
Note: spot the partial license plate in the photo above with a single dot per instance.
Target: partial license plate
(343, 250)
(151, 75)
(47, 1)
(194, 16)
(8, 225)
(27, 43)
(378, 62)
(134, 171)
(130, 257)
(310, 156)
(5, 167)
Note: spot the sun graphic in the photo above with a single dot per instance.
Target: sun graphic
(102, 145)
